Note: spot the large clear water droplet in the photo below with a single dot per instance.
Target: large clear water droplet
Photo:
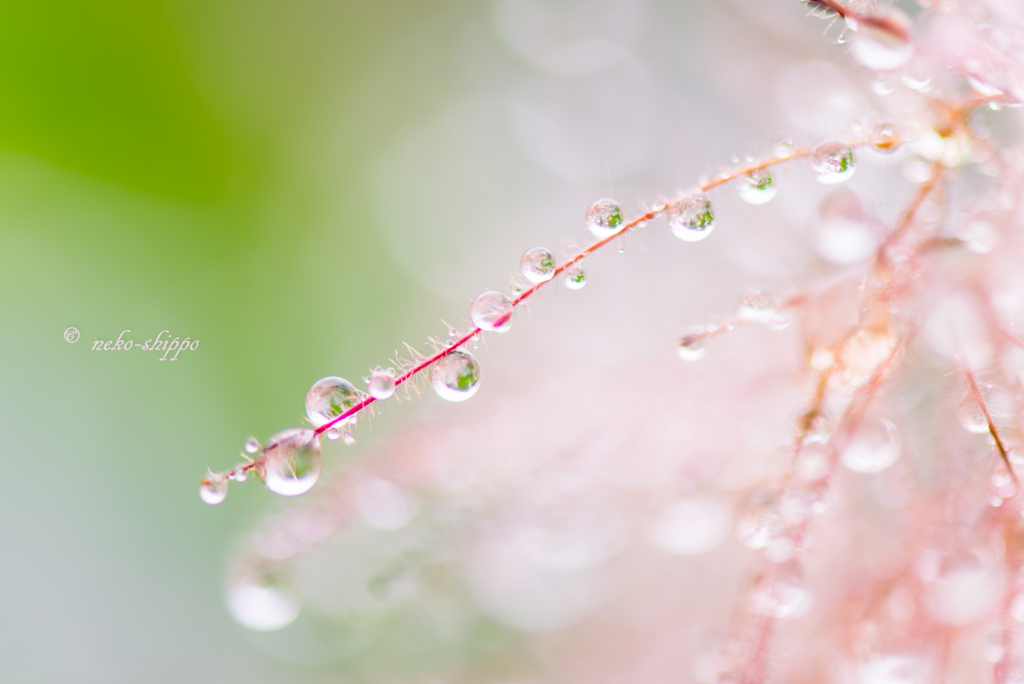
(832, 162)
(456, 377)
(883, 40)
(691, 218)
(575, 278)
(756, 187)
(382, 384)
(292, 462)
(492, 311)
(971, 415)
(213, 488)
(872, 448)
(538, 265)
(329, 398)
(604, 217)
(252, 445)
(263, 599)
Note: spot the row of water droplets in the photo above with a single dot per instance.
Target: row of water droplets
(291, 462)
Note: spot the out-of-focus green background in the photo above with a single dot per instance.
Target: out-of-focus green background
(219, 169)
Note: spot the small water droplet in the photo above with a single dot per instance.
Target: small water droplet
(783, 147)
(761, 523)
(691, 344)
(575, 278)
(872, 448)
(333, 434)
(240, 474)
(604, 217)
(292, 462)
(780, 321)
(781, 592)
(691, 218)
(882, 86)
(920, 82)
(757, 306)
(841, 38)
(538, 265)
(491, 311)
(252, 445)
(885, 137)
(757, 187)
(832, 162)
(263, 599)
(347, 438)
(382, 384)
(1003, 483)
(213, 488)
(456, 377)
(971, 415)
(329, 398)
(883, 40)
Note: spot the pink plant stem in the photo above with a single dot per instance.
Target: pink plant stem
(571, 261)
(988, 420)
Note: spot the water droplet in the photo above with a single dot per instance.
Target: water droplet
(492, 311)
(240, 474)
(691, 344)
(329, 398)
(347, 438)
(885, 137)
(213, 488)
(263, 599)
(872, 448)
(292, 462)
(604, 217)
(333, 434)
(783, 147)
(883, 40)
(382, 384)
(691, 218)
(1003, 483)
(575, 278)
(781, 592)
(456, 377)
(538, 265)
(920, 82)
(971, 415)
(252, 445)
(832, 162)
(757, 187)
(757, 306)
(761, 523)
(882, 86)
